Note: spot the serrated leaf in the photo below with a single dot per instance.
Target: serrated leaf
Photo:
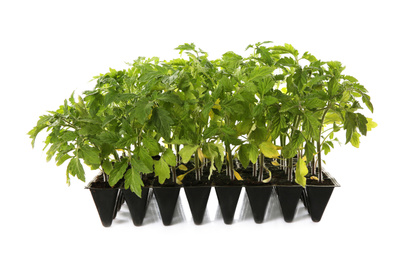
(142, 110)
(310, 151)
(326, 148)
(162, 170)
(362, 123)
(140, 166)
(75, 168)
(311, 124)
(349, 125)
(314, 102)
(133, 181)
(350, 78)
(366, 99)
(151, 145)
(269, 149)
(118, 172)
(90, 155)
(309, 57)
(371, 124)
(62, 159)
(169, 157)
(145, 157)
(260, 72)
(162, 122)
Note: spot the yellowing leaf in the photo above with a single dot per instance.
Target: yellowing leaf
(268, 178)
(314, 178)
(269, 149)
(237, 176)
(275, 163)
(182, 167)
(301, 171)
(180, 178)
(355, 139)
(370, 124)
(200, 154)
(217, 106)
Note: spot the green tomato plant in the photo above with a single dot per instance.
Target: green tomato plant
(156, 117)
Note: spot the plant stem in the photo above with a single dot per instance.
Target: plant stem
(320, 176)
(197, 168)
(261, 166)
(229, 162)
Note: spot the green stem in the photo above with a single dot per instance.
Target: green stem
(229, 162)
(197, 171)
(261, 166)
(320, 176)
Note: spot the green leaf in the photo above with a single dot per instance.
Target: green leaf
(309, 57)
(142, 110)
(187, 151)
(314, 102)
(311, 124)
(162, 121)
(355, 139)
(75, 168)
(151, 145)
(169, 157)
(290, 149)
(133, 181)
(333, 87)
(244, 127)
(186, 47)
(42, 123)
(90, 155)
(145, 157)
(350, 78)
(367, 100)
(310, 151)
(285, 49)
(362, 123)
(118, 171)
(326, 148)
(140, 166)
(349, 125)
(301, 171)
(107, 166)
(62, 159)
(244, 155)
(161, 170)
(248, 152)
(260, 72)
(279, 122)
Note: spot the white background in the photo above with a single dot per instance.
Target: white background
(50, 48)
